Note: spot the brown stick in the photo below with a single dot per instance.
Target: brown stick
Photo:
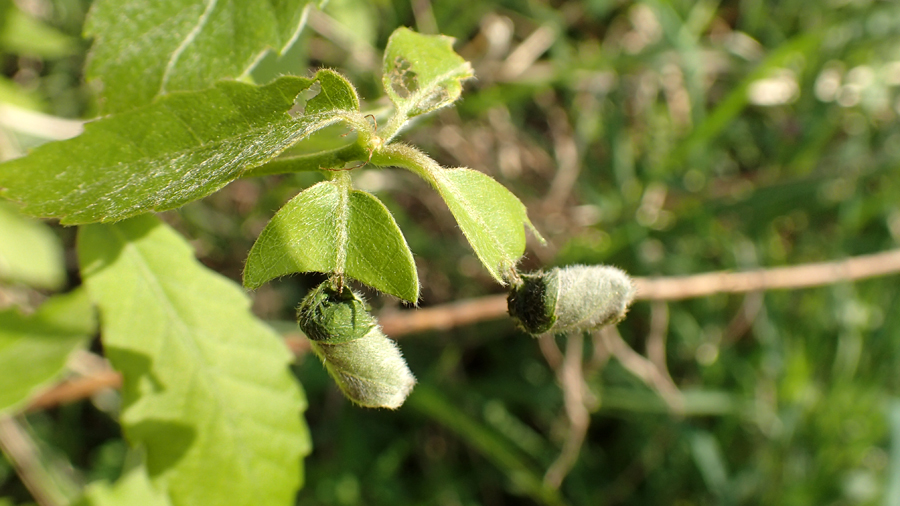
(778, 278)
(75, 389)
(492, 307)
(663, 288)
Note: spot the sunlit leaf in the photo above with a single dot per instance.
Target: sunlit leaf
(422, 72)
(207, 391)
(133, 487)
(34, 349)
(490, 216)
(330, 228)
(162, 156)
(144, 49)
(30, 252)
(337, 94)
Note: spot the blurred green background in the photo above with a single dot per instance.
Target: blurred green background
(664, 137)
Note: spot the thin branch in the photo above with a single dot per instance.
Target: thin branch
(491, 307)
(22, 452)
(550, 351)
(743, 320)
(656, 339)
(447, 316)
(76, 389)
(643, 368)
(778, 278)
(571, 379)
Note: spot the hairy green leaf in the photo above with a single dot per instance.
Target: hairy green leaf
(178, 149)
(490, 216)
(337, 94)
(422, 72)
(206, 384)
(132, 488)
(30, 252)
(331, 228)
(145, 49)
(34, 350)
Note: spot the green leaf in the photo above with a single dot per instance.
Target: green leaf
(30, 252)
(145, 49)
(422, 72)
(490, 216)
(337, 94)
(34, 350)
(333, 229)
(207, 391)
(132, 488)
(159, 157)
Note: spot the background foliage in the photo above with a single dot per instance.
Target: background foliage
(664, 137)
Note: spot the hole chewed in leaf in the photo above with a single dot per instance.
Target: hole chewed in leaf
(404, 80)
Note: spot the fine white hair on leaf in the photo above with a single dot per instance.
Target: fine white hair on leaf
(366, 364)
(573, 298)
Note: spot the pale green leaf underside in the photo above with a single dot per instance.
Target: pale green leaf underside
(30, 252)
(207, 391)
(422, 72)
(490, 216)
(178, 149)
(133, 488)
(313, 231)
(34, 350)
(144, 49)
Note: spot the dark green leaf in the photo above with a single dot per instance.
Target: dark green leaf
(162, 156)
(330, 228)
(34, 350)
(207, 390)
(145, 49)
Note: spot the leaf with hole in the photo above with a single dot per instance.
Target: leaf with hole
(159, 157)
(422, 72)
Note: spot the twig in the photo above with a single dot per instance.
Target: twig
(491, 307)
(527, 53)
(23, 453)
(743, 320)
(447, 316)
(550, 351)
(642, 368)
(565, 150)
(75, 389)
(778, 278)
(571, 379)
(656, 339)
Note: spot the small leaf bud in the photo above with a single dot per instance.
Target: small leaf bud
(365, 364)
(578, 297)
